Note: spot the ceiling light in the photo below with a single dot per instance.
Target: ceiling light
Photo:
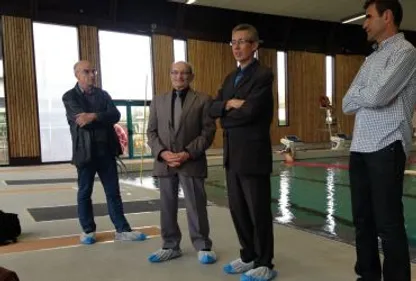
(354, 18)
(189, 2)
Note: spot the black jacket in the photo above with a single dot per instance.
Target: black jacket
(83, 138)
(247, 144)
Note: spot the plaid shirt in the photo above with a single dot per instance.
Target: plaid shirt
(383, 97)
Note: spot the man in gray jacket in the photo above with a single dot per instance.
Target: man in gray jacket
(179, 132)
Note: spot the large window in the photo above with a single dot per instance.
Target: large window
(179, 50)
(4, 152)
(329, 67)
(126, 71)
(281, 89)
(56, 52)
(126, 65)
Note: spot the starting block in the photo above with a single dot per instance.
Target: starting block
(340, 142)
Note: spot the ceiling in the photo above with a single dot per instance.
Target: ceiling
(326, 10)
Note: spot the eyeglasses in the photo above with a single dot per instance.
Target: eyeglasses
(90, 71)
(176, 73)
(240, 42)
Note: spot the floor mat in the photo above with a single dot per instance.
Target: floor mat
(41, 181)
(70, 212)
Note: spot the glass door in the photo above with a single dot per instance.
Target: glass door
(132, 128)
(122, 130)
(139, 119)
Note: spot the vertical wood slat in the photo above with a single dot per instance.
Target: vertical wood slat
(346, 67)
(212, 62)
(89, 47)
(306, 83)
(162, 61)
(21, 100)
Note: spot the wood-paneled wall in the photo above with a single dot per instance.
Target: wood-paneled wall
(346, 67)
(162, 61)
(306, 83)
(89, 47)
(268, 57)
(211, 62)
(20, 88)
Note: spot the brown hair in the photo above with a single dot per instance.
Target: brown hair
(383, 5)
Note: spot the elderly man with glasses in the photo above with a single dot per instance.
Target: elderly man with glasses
(91, 116)
(244, 105)
(179, 132)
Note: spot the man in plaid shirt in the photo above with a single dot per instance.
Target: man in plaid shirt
(382, 97)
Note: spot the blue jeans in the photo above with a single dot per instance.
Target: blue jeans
(106, 167)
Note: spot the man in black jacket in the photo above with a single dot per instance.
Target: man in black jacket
(245, 107)
(91, 116)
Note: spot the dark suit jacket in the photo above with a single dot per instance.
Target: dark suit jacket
(82, 138)
(247, 144)
(195, 134)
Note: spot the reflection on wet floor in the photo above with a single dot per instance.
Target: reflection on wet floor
(314, 199)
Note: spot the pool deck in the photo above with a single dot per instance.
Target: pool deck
(49, 250)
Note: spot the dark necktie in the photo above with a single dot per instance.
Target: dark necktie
(177, 111)
(238, 78)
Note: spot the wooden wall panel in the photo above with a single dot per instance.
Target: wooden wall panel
(211, 62)
(89, 47)
(346, 67)
(268, 57)
(296, 100)
(162, 61)
(306, 83)
(20, 88)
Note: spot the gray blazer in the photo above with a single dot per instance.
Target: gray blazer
(195, 134)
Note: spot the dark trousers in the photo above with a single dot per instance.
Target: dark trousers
(376, 192)
(106, 167)
(249, 199)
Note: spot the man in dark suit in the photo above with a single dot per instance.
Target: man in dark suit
(180, 130)
(245, 107)
(91, 116)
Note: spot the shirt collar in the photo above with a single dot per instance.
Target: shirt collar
(239, 69)
(391, 40)
(82, 91)
(182, 93)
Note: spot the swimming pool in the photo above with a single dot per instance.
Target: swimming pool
(314, 195)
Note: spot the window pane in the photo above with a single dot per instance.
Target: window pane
(56, 52)
(179, 50)
(140, 115)
(4, 147)
(282, 90)
(329, 77)
(126, 65)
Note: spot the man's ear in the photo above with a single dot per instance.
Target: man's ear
(256, 45)
(191, 78)
(388, 16)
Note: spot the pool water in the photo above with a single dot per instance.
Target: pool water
(314, 195)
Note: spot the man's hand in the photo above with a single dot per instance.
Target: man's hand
(173, 164)
(183, 156)
(174, 159)
(83, 119)
(169, 157)
(233, 103)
